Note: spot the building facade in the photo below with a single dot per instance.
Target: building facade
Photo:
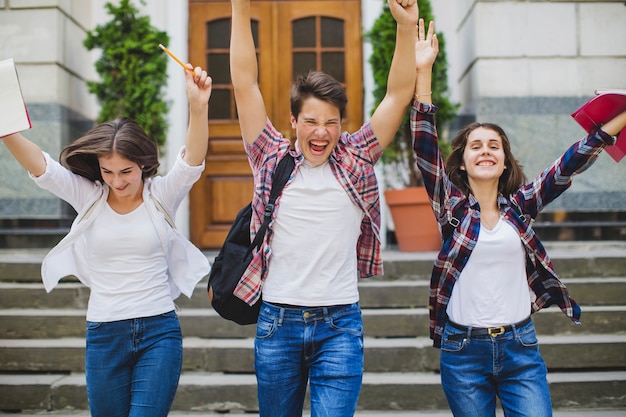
(526, 65)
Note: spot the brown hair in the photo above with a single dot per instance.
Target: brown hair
(321, 86)
(511, 179)
(122, 136)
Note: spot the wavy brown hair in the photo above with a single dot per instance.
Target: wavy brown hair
(122, 136)
(321, 86)
(511, 179)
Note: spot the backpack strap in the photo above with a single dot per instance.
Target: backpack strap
(457, 214)
(279, 179)
(159, 207)
(518, 210)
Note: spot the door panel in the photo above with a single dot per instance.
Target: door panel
(307, 33)
(317, 35)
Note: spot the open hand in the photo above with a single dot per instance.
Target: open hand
(426, 46)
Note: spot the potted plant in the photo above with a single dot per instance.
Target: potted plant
(405, 195)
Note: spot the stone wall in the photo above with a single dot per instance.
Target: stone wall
(527, 66)
(44, 37)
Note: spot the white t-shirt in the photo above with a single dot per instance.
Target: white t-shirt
(127, 265)
(492, 289)
(313, 260)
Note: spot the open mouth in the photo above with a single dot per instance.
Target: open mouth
(318, 147)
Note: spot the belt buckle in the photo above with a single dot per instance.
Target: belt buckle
(495, 331)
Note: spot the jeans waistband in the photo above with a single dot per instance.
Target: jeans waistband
(305, 312)
(491, 331)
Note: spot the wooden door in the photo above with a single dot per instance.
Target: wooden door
(291, 37)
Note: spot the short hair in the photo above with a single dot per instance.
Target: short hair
(122, 136)
(321, 86)
(511, 179)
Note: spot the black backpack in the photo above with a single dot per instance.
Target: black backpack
(236, 254)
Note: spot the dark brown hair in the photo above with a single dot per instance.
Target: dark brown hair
(321, 86)
(511, 179)
(122, 136)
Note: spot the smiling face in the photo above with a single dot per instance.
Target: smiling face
(484, 157)
(318, 128)
(124, 177)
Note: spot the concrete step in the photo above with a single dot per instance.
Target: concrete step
(373, 294)
(376, 413)
(212, 392)
(206, 323)
(572, 353)
(571, 259)
(42, 346)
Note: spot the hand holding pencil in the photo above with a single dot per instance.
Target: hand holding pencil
(175, 58)
(199, 83)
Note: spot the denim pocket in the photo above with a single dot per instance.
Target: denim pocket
(527, 336)
(453, 340)
(265, 327)
(92, 325)
(169, 315)
(349, 323)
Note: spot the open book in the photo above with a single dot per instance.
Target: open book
(13, 113)
(600, 109)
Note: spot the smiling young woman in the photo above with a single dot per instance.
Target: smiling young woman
(122, 247)
(492, 271)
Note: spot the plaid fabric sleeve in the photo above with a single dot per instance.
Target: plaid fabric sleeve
(557, 178)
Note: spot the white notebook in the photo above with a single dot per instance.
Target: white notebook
(13, 113)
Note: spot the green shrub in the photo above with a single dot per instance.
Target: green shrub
(132, 69)
(382, 37)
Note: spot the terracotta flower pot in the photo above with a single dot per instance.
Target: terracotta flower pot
(415, 226)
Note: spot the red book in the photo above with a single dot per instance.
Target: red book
(599, 110)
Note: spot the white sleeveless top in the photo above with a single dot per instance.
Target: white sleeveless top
(492, 289)
(313, 260)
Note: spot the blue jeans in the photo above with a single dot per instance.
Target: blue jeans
(133, 366)
(319, 345)
(477, 369)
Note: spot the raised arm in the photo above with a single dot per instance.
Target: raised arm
(244, 73)
(390, 112)
(199, 86)
(615, 125)
(426, 50)
(27, 153)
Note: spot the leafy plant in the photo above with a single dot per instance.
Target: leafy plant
(399, 154)
(132, 68)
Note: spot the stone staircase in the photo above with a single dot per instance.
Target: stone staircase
(42, 340)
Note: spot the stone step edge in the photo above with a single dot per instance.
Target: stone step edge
(373, 378)
(374, 282)
(369, 342)
(577, 412)
(209, 312)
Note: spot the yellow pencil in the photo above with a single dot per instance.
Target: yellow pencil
(167, 51)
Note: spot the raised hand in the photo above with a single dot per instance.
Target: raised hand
(198, 85)
(405, 12)
(426, 47)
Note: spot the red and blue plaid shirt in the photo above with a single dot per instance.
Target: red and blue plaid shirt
(352, 162)
(519, 210)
